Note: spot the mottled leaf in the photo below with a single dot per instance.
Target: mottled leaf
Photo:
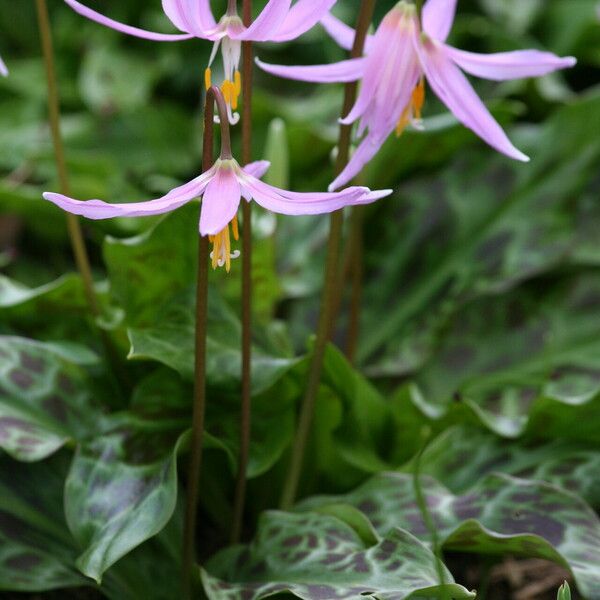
(37, 552)
(45, 398)
(501, 515)
(121, 490)
(318, 557)
(461, 456)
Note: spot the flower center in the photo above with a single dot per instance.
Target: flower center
(412, 112)
(221, 254)
(231, 52)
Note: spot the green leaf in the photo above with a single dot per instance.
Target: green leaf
(318, 556)
(462, 455)
(564, 592)
(121, 490)
(500, 515)
(528, 358)
(37, 553)
(45, 399)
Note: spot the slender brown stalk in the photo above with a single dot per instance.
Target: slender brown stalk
(246, 400)
(74, 229)
(356, 248)
(189, 534)
(328, 299)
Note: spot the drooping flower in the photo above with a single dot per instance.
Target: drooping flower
(279, 21)
(221, 189)
(3, 69)
(403, 54)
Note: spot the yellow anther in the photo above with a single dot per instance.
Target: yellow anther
(207, 78)
(237, 80)
(235, 228)
(221, 254)
(413, 109)
(418, 98)
(227, 88)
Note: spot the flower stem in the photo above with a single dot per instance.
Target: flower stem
(189, 534)
(75, 235)
(246, 400)
(328, 299)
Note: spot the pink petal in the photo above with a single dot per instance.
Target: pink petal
(438, 17)
(304, 15)
(509, 65)
(258, 168)
(97, 209)
(267, 23)
(3, 69)
(191, 16)
(344, 71)
(366, 150)
(220, 201)
(455, 91)
(135, 31)
(291, 203)
(343, 34)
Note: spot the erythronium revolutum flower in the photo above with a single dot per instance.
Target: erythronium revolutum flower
(279, 21)
(398, 59)
(221, 189)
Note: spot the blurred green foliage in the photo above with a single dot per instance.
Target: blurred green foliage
(480, 323)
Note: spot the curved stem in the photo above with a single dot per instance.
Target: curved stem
(328, 299)
(246, 400)
(75, 235)
(213, 96)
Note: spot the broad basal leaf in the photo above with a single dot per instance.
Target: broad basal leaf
(501, 515)
(461, 456)
(37, 552)
(45, 400)
(121, 489)
(318, 557)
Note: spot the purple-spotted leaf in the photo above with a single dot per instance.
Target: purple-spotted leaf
(462, 455)
(319, 557)
(527, 362)
(121, 489)
(37, 553)
(501, 515)
(45, 400)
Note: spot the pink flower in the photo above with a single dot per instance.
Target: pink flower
(279, 21)
(3, 69)
(221, 189)
(399, 58)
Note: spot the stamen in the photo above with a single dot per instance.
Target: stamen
(207, 78)
(221, 255)
(412, 113)
(238, 83)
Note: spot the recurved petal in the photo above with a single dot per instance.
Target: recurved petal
(258, 168)
(135, 31)
(343, 34)
(220, 201)
(3, 69)
(503, 66)
(304, 15)
(438, 17)
(366, 150)
(455, 91)
(291, 203)
(343, 71)
(268, 22)
(97, 209)
(192, 16)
